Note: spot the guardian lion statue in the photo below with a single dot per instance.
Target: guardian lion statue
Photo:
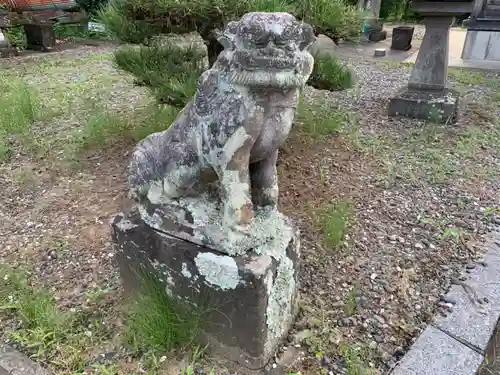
(214, 169)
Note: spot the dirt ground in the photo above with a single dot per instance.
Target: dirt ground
(389, 209)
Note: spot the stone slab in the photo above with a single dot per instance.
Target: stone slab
(474, 323)
(13, 362)
(436, 353)
(440, 106)
(482, 45)
(251, 300)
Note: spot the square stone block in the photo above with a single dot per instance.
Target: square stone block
(377, 35)
(40, 37)
(440, 105)
(471, 321)
(251, 299)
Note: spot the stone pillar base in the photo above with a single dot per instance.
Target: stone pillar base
(251, 299)
(482, 45)
(40, 37)
(440, 106)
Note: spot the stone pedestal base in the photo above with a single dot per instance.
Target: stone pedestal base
(440, 106)
(377, 35)
(482, 45)
(40, 37)
(251, 299)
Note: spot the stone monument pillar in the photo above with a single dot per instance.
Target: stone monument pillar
(373, 29)
(426, 96)
(205, 220)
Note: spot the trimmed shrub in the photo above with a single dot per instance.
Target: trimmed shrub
(171, 72)
(333, 18)
(92, 6)
(330, 74)
(168, 70)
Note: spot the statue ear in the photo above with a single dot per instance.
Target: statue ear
(226, 39)
(308, 36)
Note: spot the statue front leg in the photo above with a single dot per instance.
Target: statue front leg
(236, 190)
(264, 179)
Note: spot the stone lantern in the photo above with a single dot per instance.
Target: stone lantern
(426, 96)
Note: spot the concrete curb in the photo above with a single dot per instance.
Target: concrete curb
(13, 362)
(456, 344)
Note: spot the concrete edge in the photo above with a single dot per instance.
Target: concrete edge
(461, 342)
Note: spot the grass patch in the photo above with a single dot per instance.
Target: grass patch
(105, 129)
(357, 358)
(19, 107)
(47, 333)
(319, 120)
(467, 76)
(156, 322)
(330, 74)
(335, 220)
(350, 304)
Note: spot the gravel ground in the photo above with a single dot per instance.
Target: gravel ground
(418, 215)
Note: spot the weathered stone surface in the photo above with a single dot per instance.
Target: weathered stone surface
(402, 37)
(440, 106)
(207, 176)
(431, 67)
(482, 45)
(13, 362)
(436, 353)
(40, 37)
(477, 310)
(251, 298)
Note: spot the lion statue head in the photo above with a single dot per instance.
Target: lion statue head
(267, 50)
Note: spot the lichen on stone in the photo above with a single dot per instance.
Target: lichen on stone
(219, 270)
(282, 289)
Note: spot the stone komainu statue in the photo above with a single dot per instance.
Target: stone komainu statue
(219, 156)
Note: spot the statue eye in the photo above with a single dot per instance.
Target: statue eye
(261, 42)
(279, 42)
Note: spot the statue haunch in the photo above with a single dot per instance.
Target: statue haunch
(230, 132)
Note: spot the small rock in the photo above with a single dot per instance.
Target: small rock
(470, 266)
(418, 245)
(378, 338)
(379, 319)
(448, 299)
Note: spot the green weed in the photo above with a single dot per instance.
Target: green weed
(105, 129)
(46, 333)
(467, 76)
(321, 120)
(350, 304)
(330, 74)
(156, 322)
(357, 358)
(18, 110)
(335, 220)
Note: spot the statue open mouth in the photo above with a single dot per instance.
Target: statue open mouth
(251, 60)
